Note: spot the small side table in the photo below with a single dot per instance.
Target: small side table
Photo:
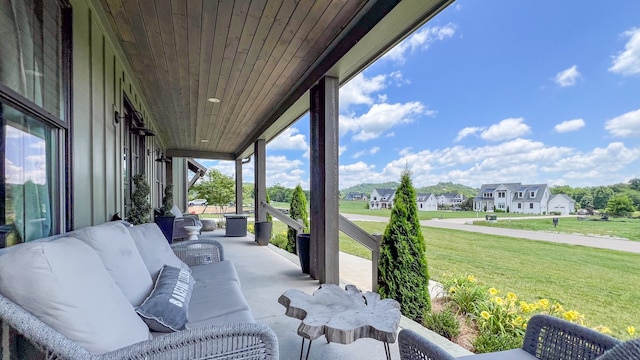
(342, 316)
(193, 231)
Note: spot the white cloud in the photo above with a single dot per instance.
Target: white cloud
(568, 77)
(467, 132)
(519, 160)
(290, 139)
(625, 125)
(506, 129)
(371, 151)
(341, 150)
(627, 62)
(353, 174)
(359, 90)
(420, 40)
(379, 119)
(569, 125)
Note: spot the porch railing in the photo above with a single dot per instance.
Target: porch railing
(370, 241)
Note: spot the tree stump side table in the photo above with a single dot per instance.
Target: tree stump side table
(342, 316)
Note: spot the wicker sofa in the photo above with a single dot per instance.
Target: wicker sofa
(546, 338)
(75, 296)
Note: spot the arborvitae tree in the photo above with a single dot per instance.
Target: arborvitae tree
(402, 271)
(269, 216)
(297, 210)
(140, 206)
(167, 200)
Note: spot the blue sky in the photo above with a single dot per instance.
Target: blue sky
(490, 91)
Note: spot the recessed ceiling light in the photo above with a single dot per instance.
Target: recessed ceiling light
(204, 140)
(214, 100)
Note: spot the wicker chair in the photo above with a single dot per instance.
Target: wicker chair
(546, 338)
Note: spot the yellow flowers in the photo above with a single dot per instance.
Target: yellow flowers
(511, 297)
(543, 304)
(631, 330)
(471, 278)
(493, 291)
(485, 315)
(571, 315)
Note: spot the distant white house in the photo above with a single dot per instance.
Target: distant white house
(356, 196)
(427, 202)
(450, 199)
(521, 198)
(381, 199)
(561, 203)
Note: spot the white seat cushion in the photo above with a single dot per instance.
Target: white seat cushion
(120, 256)
(154, 248)
(64, 284)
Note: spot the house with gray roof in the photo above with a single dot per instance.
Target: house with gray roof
(513, 197)
(427, 202)
(381, 199)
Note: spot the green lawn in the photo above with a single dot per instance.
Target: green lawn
(360, 208)
(602, 284)
(623, 228)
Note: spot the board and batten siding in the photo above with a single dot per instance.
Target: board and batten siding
(100, 81)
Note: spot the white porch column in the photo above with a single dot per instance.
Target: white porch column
(324, 181)
(260, 179)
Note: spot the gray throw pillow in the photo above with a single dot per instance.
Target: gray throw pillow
(166, 308)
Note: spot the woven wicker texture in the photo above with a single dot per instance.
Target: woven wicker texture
(546, 338)
(199, 252)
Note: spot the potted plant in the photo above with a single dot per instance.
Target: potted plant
(164, 218)
(140, 207)
(263, 229)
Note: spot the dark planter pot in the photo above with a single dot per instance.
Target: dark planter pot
(165, 223)
(263, 232)
(303, 244)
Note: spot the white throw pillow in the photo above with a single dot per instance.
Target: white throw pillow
(120, 256)
(64, 284)
(176, 211)
(154, 248)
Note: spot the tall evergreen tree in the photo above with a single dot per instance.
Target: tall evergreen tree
(402, 271)
(297, 210)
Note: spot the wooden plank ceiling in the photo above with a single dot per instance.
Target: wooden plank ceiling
(252, 55)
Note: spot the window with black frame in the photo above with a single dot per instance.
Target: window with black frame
(33, 112)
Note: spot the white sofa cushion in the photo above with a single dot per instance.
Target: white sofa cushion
(64, 284)
(154, 248)
(120, 256)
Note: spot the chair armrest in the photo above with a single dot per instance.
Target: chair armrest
(198, 252)
(185, 221)
(255, 341)
(548, 337)
(415, 347)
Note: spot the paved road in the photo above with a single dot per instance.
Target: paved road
(461, 224)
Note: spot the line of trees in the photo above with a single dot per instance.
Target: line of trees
(599, 197)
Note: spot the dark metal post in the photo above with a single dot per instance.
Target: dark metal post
(260, 179)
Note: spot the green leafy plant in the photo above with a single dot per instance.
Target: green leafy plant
(402, 270)
(297, 211)
(487, 342)
(444, 323)
(464, 293)
(167, 200)
(140, 206)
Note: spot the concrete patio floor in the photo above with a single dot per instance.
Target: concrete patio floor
(267, 272)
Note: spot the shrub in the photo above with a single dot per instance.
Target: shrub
(465, 293)
(297, 210)
(444, 323)
(280, 240)
(402, 270)
(140, 207)
(486, 342)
